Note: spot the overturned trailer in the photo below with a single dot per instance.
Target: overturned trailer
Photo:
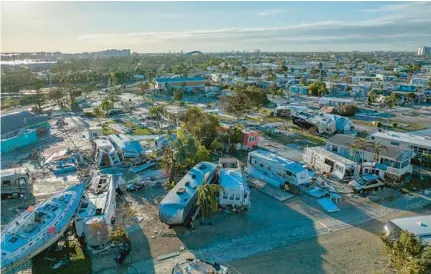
(323, 123)
(331, 163)
(178, 207)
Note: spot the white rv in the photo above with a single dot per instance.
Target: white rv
(236, 192)
(276, 170)
(97, 211)
(329, 162)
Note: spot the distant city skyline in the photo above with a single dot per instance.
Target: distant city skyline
(214, 26)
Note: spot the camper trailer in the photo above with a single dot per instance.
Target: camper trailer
(236, 193)
(97, 211)
(15, 182)
(330, 163)
(276, 170)
(178, 207)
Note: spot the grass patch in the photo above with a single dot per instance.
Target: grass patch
(129, 124)
(79, 261)
(142, 131)
(108, 130)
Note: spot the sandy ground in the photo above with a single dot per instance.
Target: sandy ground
(353, 250)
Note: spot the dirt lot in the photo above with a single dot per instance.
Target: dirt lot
(353, 250)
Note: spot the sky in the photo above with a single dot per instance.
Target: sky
(147, 27)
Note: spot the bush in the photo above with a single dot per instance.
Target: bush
(379, 124)
(347, 110)
(394, 125)
(423, 160)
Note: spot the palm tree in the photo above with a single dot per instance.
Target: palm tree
(356, 147)
(106, 105)
(378, 148)
(207, 200)
(157, 111)
(184, 151)
(97, 111)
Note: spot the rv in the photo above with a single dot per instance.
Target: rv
(97, 211)
(15, 182)
(276, 170)
(331, 163)
(178, 207)
(236, 192)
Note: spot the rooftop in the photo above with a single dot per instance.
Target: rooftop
(418, 225)
(232, 178)
(404, 137)
(292, 166)
(333, 156)
(15, 121)
(346, 140)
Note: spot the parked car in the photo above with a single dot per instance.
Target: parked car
(367, 182)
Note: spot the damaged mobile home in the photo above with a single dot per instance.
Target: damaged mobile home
(322, 123)
(331, 163)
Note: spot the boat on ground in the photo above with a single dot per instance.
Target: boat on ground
(38, 227)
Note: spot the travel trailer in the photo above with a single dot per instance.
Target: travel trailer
(105, 154)
(178, 207)
(15, 182)
(97, 211)
(236, 193)
(331, 163)
(38, 227)
(276, 170)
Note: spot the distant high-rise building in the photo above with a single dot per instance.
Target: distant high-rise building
(424, 51)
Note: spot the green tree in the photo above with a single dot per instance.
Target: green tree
(372, 96)
(98, 113)
(317, 89)
(238, 104)
(411, 97)
(106, 105)
(201, 124)
(207, 198)
(178, 94)
(390, 100)
(157, 111)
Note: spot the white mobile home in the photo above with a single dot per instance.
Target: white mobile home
(236, 192)
(276, 170)
(328, 162)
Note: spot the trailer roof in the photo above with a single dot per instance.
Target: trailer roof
(233, 179)
(292, 166)
(333, 156)
(418, 225)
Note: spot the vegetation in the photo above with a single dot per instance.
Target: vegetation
(317, 89)
(201, 124)
(207, 198)
(423, 160)
(347, 110)
(157, 111)
(178, 94)
(407, 255)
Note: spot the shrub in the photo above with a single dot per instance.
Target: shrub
(394, 125)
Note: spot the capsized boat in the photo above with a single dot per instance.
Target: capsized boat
(38, 227)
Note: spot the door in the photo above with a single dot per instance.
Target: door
(22, 185)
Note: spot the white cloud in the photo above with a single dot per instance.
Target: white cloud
(270, 12)
(396, 28)
(399, 7)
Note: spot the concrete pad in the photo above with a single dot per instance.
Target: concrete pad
(275, 193)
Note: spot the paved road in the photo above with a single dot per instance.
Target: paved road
(299, 221)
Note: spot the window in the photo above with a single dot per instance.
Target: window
(6, 183)
(251, 139)
(22, 181)
(334, 148)
(395, 144)
(237, 197)
(231, 196)
(261, 165)
(224, 195)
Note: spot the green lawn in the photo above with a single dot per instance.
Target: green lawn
(142, 131)
(108, 130)
(80, 263)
